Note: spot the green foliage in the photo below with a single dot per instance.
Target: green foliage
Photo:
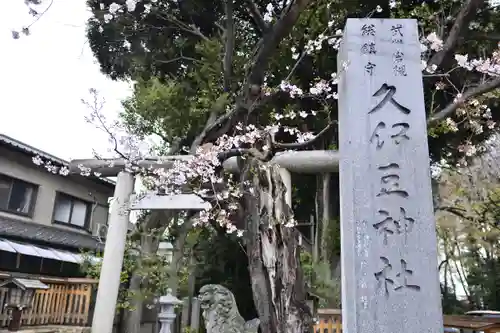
(451, 305)
(222, 260)
(318, 277)
(188, 329)
(152, 270)
(161, 108)
(483, 269)
(181, 45)
(471, 243)
(177, 107)
(332, 240)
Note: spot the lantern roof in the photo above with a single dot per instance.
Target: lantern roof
(169, 299)
(24, 284)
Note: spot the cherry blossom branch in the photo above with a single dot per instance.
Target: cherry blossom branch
(473, 92)
(41, 14)
(96, 114)
(254, 152)
(306, 143)
(465, 15)
(38, 16)
(237, 152)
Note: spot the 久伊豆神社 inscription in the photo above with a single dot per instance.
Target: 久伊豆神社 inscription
(390, 280)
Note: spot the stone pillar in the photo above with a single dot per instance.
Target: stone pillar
(390, 279)
(109, 280)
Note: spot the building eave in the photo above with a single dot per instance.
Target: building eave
(48, 235)
(18, 146)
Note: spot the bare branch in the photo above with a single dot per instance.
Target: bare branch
(177, 59)
(473, 92)
(230, 39)
(257, 16)
(26, 30)
(460, 212)
(183, 26)
(217, 108)
(175, 146)
(198, 140)
(271, 41)
(254, 152)
(461, 24)
(307, 143)
(96, 108)
(267, 45)
(478, 35)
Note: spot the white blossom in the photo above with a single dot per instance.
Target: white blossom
(114, 7)
(131, 4)
(107, 18)
(435, 41)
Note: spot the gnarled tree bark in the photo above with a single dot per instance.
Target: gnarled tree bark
(272, 248)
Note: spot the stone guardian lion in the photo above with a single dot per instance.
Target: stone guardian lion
(220, 312)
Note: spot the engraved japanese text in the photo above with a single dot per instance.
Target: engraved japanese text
(389, 92)
(368, 30)
(389, 182)
(395, 279)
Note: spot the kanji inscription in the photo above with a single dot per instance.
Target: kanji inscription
(394, 224)
(389, 92)
(397, 279)
(368, 30)
(390, 181)
(397, 34)
(368, 48)
(399, 70)
(390, 280)
(370, 68)
(399, 134)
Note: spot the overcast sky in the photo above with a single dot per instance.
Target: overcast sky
(45, 75)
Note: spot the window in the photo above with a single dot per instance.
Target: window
(17, 196)
(71, 211)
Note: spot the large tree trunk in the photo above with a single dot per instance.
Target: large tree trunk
(272, 248)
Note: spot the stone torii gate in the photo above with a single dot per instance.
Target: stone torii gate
(314, 161)
(390, 280)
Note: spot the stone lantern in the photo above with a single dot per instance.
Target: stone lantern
(167, 311)
(19, 297)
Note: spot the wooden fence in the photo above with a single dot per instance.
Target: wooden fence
(330, 321)
(66, 303)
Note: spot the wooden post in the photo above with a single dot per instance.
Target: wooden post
(390, 279)
(15, 322)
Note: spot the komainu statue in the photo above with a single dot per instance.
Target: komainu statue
(220, 312)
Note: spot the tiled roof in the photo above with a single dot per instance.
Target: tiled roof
(47, 234)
